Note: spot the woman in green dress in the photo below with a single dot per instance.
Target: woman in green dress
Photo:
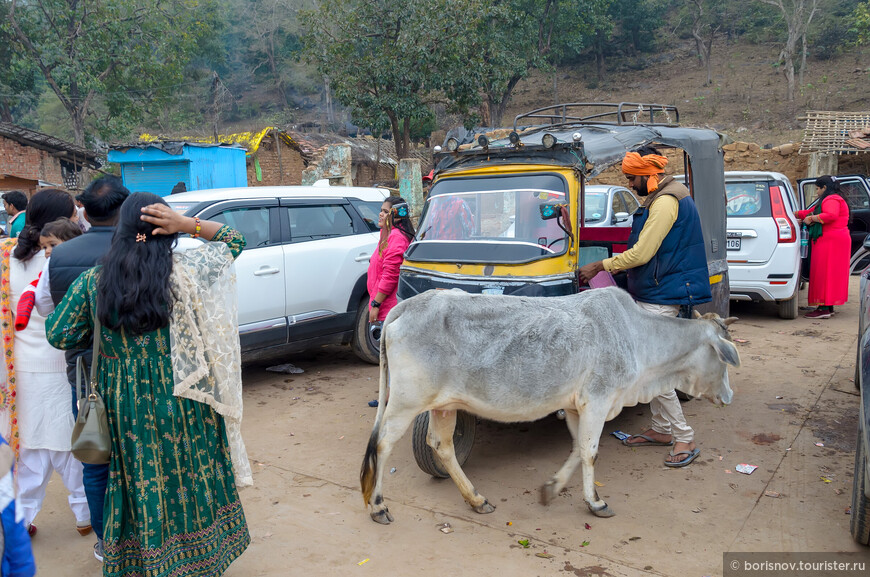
(171, 505)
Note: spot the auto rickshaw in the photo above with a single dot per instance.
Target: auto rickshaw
(506, 211)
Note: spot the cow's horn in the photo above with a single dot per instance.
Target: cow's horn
(697, 314)
(730, 321)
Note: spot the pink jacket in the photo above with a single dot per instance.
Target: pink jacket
(383, 273)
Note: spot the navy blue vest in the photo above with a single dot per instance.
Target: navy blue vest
(677, 273)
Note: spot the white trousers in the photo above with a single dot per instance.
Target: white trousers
(667, 414)
(35, 467)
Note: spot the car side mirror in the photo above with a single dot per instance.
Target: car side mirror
(867, 242)
(620, 217)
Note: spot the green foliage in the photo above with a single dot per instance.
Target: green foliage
(120, 52)
(861, 23)
(389, 60)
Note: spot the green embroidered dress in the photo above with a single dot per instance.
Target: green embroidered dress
(172, 508)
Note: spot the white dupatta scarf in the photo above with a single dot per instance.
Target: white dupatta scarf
(204, 333)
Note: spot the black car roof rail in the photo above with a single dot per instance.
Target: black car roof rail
(620, 113)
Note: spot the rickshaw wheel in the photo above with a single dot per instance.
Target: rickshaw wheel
(463, 440)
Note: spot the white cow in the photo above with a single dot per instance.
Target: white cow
(521, 358)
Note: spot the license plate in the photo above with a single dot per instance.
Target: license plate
(732, 244)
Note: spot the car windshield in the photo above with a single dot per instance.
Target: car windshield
(491, 219)
(748, 198)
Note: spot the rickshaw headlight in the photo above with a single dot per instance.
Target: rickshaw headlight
(452, 144)
(514, 138)
(483, 141)
(548, 140)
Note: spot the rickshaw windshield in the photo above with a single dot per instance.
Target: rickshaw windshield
(491, 220)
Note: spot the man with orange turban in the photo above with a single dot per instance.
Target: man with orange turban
(666, 265)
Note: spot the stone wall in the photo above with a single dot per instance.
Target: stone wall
(749, 156)
(28, 163)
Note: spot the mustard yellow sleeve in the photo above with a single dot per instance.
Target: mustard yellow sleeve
(662, 216)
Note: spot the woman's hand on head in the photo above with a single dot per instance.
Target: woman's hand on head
(165, 220)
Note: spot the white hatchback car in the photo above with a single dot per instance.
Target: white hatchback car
(302, 275)
(763, 239)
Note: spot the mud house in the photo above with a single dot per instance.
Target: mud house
(31, 160)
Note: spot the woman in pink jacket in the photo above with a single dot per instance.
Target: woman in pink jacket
(383, 277)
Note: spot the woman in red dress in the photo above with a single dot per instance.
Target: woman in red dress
(831, 247)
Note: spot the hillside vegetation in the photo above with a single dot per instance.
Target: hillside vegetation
(410, 67)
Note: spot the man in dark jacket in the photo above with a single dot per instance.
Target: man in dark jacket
(666, 265)
(102, 200)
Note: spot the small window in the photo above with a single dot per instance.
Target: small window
(631, 202)
(369, 212)
(616, 203)
(252, 222)
(747, 198)
(319, 222)
(855, 195)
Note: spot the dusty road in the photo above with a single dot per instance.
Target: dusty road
(306, 435)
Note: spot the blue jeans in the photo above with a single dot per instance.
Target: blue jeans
(95, 478)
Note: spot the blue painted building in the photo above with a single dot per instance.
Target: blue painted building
(158, 167)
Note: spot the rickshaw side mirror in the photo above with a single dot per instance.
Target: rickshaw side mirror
(550, 211)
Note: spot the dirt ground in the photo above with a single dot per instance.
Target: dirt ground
(306, 435)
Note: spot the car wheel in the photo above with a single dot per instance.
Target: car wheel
(788, 309)
(363, 345)
(463, 440)
(860, 521)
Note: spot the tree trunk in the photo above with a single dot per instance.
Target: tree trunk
(555, 85)
(399, 137)
(5, 112)
(803, 59)
(78, 117)
(789, 77)
(497, 107)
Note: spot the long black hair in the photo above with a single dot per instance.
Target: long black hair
(45, 206)
(133, 291)
(831, 186)
(400, 218)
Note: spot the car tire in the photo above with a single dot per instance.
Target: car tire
(463, 441)
(788, 309)
(859, 523)
(858, 261)
(363, 345)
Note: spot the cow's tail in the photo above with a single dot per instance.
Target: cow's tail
(369, 468)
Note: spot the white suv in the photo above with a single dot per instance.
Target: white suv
(302, 275)
(763, 239)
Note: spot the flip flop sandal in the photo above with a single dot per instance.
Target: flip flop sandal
(690, 456)
(648, 442)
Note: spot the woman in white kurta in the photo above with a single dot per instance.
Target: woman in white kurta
(41, 407)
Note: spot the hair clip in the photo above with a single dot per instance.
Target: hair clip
(401, 210)
(141, 237)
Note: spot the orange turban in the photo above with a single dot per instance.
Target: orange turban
(650, 165)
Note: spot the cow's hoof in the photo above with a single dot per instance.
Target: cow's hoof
(548, 492)
(383, 517)
(604, 511)
(484, 508)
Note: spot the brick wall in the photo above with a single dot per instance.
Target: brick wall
(28, 163)
(287, 172)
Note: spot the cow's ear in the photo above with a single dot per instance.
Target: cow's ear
(727, 351)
